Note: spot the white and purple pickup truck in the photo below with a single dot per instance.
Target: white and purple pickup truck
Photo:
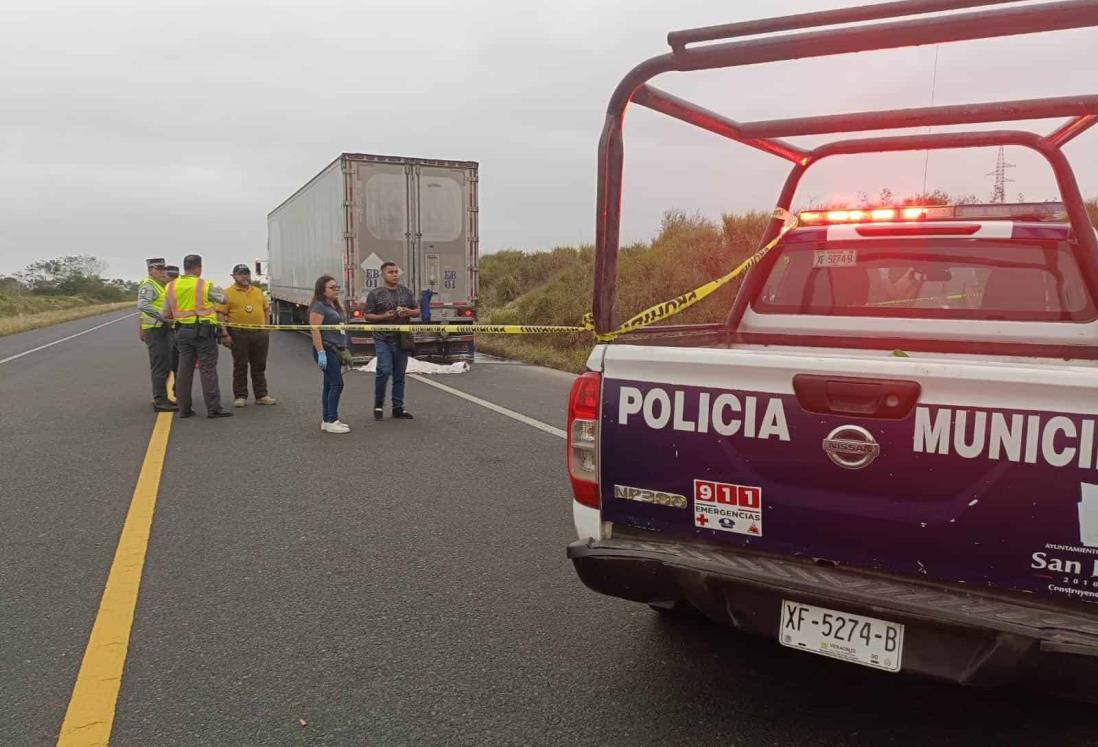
(925, 502)
(887, 453)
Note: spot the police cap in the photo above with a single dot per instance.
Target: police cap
(155, 262)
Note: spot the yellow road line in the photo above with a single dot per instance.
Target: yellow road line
(90, 715)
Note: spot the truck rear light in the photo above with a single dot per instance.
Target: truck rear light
(583, 438)
(357, 313)
(467, 313)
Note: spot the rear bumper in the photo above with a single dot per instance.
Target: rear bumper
(453, 347)
(966, 637)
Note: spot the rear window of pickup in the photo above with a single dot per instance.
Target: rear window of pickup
(933, 279)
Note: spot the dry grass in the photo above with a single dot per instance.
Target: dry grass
(13, 323)
(537, 352)
(556, 287)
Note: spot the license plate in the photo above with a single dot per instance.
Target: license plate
(841, 635)
(835, 258)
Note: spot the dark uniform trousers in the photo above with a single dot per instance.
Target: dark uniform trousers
(175, 355)
(197, 342)
(161, 344)
(250, 348)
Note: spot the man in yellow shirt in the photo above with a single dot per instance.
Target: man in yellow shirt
(247, 304)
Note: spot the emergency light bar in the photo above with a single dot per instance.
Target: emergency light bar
(1035, 211)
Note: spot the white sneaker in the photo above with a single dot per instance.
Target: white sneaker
(337, 427)
(240, 402)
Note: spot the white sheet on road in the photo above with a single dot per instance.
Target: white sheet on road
(416, 366)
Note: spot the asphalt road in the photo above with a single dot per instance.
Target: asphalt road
(402, 584)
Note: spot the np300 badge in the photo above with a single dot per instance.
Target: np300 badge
(643, 495)
(851, 447)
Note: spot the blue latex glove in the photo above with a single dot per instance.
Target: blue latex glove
(322, 360)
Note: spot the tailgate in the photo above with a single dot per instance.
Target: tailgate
(972, 472)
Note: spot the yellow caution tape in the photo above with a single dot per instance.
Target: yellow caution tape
(924, 299)
(677, 305)
(494, 329)
(645, 318)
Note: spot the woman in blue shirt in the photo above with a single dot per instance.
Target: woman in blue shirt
(329, 350)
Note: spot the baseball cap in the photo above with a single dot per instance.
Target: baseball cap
(242, 270)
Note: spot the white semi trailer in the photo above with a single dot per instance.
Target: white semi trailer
(362, 210)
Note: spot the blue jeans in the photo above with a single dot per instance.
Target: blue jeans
(391, 361)
(333, 385)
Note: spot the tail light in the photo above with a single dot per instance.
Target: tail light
(357, 313)
(583, 437)
(467, 313)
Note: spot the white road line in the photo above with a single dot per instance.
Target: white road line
(64, 339)
(493, 407)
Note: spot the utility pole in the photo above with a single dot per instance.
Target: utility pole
(998, 193)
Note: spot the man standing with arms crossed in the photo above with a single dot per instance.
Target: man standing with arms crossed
(156, 331)
(247, 304)
(392, 303)
(189, 300)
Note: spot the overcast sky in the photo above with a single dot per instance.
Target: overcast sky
(133, 129)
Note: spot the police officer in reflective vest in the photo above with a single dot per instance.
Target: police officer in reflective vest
(156, 331)
(189, 301)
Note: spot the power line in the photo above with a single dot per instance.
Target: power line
(933, 89)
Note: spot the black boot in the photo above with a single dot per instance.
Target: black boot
(399, 413)
(379, 410)
(165, 406)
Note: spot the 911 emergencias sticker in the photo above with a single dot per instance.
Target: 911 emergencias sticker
(723, 507)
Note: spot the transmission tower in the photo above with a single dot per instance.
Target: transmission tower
(998, 194)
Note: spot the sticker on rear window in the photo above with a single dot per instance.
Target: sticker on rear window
(835, 258)
(728, 508)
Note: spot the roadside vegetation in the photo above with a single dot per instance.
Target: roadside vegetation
(555, 287)
(59, 290)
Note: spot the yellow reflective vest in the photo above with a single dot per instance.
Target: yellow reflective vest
(187, 299)
(151, 291)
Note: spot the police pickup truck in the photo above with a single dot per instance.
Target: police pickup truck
(926, 501)
(887, 454)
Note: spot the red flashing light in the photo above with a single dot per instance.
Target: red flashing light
(356, 313)
(879, 215)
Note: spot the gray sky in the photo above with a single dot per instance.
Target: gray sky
(132, 129)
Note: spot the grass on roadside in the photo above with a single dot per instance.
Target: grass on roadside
(12, 323)
(538, 352)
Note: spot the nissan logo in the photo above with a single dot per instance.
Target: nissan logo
(851, 447)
